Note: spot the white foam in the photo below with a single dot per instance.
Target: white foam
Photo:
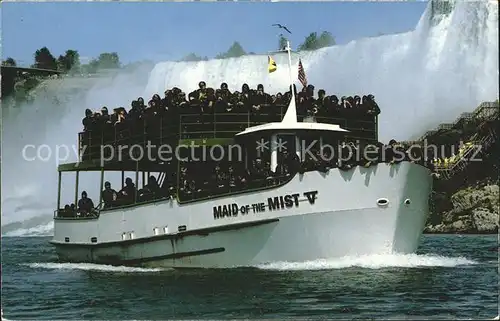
(367, 261)
(40, 230)
(55, 120)
(372, 262)
(91, 267)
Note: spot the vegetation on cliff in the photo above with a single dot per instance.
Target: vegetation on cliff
(311, 42)
(66, 64)
(69, 62)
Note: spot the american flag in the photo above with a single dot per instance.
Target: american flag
(302, 74)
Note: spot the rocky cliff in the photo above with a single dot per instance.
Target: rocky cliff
(465, 197)
(473, 210)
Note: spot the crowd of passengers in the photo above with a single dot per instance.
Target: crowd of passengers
(202, 179)
(462, 150)
(454, 158)
(205, 100)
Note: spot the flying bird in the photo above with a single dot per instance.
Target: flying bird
(282, 27)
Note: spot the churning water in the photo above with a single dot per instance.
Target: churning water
(451, 277)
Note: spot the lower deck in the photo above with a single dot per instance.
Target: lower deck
(248, 170)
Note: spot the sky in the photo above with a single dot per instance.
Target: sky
(168, 31)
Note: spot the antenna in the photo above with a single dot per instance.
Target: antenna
(291, 112)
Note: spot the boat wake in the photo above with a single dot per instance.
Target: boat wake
(37, 226)
(91, 267)
(375, 261)
(40, 230)
(366, 261)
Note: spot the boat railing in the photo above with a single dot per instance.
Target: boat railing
(229, 124)
(204, 193)
(94, 144)
(63, 214)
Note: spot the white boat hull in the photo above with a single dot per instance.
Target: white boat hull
(344, 219)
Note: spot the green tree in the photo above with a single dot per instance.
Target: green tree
(313, 42)
(61, 63)
(193, 57)
(236, 50)
(282, 42)
(10, 62)
(68, 62)
(90, 68)
(106, 60)
(44, 59)
(326, 40)
(310, 42)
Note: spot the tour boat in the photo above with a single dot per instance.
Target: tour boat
(299, 217)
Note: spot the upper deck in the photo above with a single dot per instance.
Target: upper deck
(193, 123)
(215, 117)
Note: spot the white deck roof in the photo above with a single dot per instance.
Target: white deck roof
(292, 127)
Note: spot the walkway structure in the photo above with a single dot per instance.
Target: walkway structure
(10, 73)
(485, 118)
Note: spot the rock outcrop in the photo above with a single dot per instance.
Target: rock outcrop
(465, 197)
(474, 210)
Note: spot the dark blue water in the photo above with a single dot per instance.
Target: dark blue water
(450, 277)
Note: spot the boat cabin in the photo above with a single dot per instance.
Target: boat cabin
(202, 156)
(214, 145)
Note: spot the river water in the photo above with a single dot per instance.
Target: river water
(450, 277)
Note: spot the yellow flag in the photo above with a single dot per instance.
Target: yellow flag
(271, 64)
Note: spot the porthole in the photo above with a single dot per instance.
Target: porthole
(382, 202)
